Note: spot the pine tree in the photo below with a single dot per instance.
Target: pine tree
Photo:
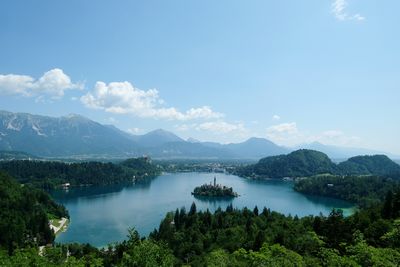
(193, 209)
(387, 211)
(255, 211)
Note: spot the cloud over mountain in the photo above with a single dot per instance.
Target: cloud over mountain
(124, 98)
(53, 83)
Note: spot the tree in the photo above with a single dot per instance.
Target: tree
(218, 258)
(255, 211)
(387, 211)
(177, 219)
(192, 210)
(258, 242)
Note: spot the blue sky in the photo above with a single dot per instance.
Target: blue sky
(290, 71)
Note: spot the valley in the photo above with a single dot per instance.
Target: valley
(100, 203)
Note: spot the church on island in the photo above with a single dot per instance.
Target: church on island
(214, 190)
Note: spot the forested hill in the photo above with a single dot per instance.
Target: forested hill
(24, 215)
(47, 174)
(304, 163)
(374, 165)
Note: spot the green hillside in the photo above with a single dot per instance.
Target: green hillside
(296, 164)
(305, 163)
(24, 215)
(375, 165)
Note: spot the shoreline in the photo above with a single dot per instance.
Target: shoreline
(61, 228)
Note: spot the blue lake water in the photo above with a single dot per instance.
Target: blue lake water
(102, 215)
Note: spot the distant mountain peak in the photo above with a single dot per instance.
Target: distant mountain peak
(74, 116)
(158, 137)
(192, 140)
(257, 140)
(160, 131)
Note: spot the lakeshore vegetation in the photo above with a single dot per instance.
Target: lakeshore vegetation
(363, 190)
(52, 174)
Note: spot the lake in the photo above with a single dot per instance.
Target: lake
(102, 215)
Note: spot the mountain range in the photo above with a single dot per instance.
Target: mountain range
(79, 137)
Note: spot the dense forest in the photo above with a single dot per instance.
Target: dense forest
(253, 238)
(305, 163)
(296, 164)
(363, 190)
(369, 165)
(232, 237)
(50, 174)
(24, 215)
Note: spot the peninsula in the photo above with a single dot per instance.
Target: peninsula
(214, 190)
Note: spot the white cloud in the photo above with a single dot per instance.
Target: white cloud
(332, 133)
(276, 117)
(220, 127)
(358, 17)
(123, 98)
(53, 83)
(339, 11)
(112, 120)
(337, 138)
(216, 128)
(134, 130)
(289, 128)
(284, 133)
(185, 127)
(288, 134)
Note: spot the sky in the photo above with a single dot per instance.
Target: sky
(290, 71)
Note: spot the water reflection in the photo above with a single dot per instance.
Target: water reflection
(74, 193)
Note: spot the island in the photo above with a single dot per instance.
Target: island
(214, 190)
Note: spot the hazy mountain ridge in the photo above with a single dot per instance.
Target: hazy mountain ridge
(76, 136)
(157, 138)
(64, 136)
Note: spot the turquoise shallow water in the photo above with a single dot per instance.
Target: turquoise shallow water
(102, 215)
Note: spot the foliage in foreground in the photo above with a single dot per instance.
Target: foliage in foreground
(363, 239)
(24, 215)
(249, 238)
